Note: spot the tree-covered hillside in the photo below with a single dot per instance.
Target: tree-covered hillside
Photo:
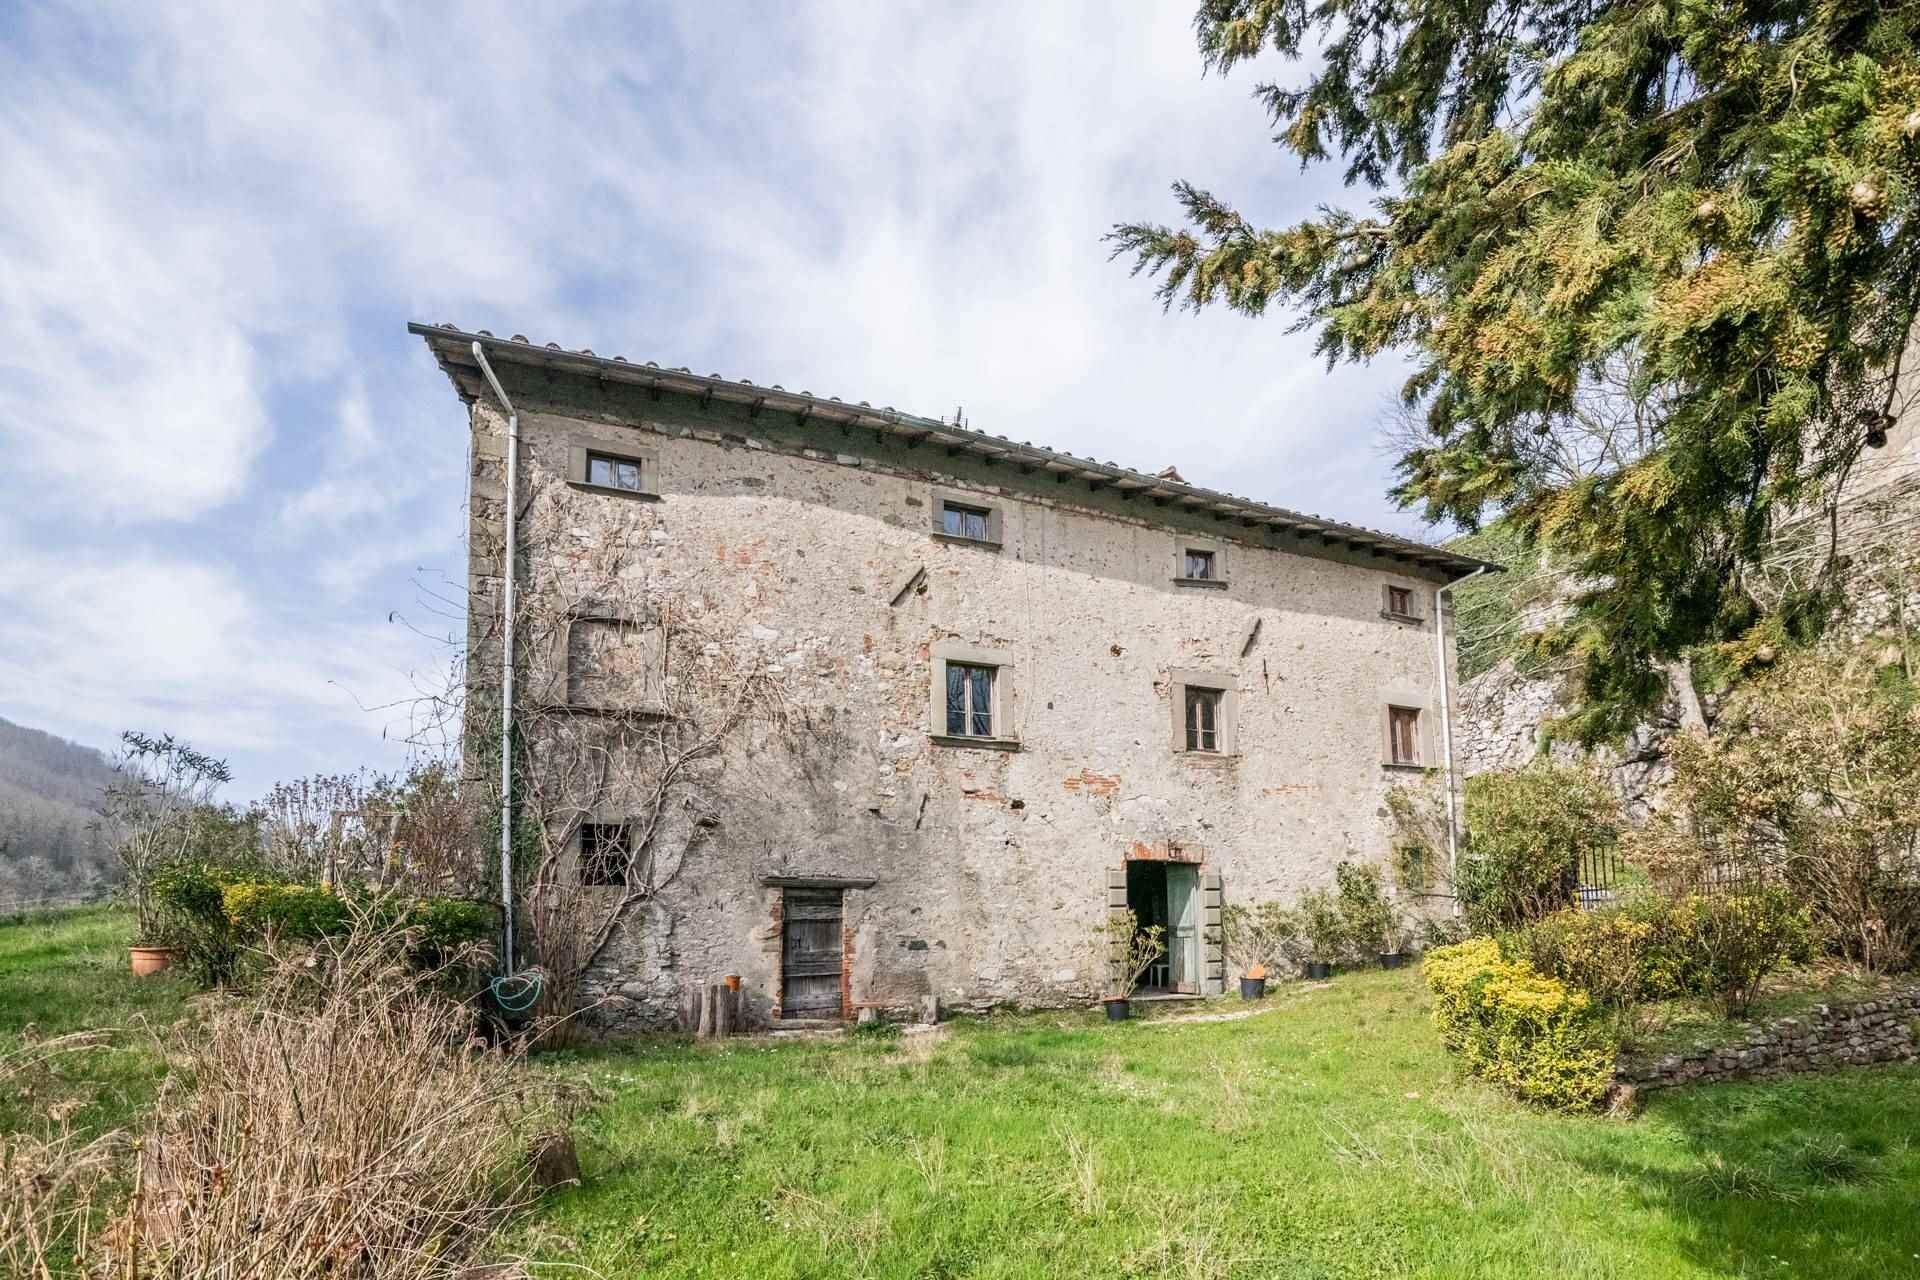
(52, 843)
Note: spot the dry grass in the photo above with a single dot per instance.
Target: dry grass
(48, 1179)
(344, 1122)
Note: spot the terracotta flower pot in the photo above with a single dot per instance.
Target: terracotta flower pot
(151, 960)
(733, 982)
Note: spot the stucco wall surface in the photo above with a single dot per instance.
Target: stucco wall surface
(989, 866)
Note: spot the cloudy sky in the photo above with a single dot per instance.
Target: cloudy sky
(231, 504)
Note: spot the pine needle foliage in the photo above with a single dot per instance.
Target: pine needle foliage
(1716, 195)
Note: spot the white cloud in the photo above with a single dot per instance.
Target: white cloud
(216, 219)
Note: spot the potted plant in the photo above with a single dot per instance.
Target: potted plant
(1375, 924)
(1258, 938)
(1324, 931)
(1125, 950)
(160, 785)
(1393, 936)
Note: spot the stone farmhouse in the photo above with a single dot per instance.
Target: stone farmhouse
(1020, 688)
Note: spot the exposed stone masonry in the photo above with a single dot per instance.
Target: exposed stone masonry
(1852, 1034)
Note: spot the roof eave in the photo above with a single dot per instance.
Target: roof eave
(451, 347)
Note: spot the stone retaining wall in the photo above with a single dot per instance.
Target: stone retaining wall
(1878, 1030)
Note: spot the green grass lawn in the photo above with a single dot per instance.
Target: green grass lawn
(66, 972)
(1327, 1136)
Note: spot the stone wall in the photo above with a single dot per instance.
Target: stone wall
(976, 873)
(1850, 1034)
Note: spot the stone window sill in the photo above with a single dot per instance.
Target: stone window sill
(977, 744)
(1215, 759)
(954, 539)
(613, 491)
(1216, 584)
(1409, 619)
(1402, 767)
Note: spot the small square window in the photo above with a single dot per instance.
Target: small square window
(606, 853)
(610, 472)
(969, 700)
(1203, 719)
(1400, 601)
(1199, 565)
(1403, 735)
(966, 522)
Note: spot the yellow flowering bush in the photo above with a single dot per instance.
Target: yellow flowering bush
(1528, 1033)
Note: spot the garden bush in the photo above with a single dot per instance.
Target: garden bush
(1527, 834)
(1531, 1034)
(1370, 921)
(1602, 953)
(1740, 939)
(259, 909)
(1811, 782)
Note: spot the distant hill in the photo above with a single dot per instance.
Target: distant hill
(52, 843)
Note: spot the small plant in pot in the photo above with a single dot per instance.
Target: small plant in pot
(1324, 932)
(160, 786)
(1125, 950)
(1374, 922)
(1258, 938)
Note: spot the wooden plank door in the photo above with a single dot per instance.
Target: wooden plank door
(810, 954)
(1183, 926)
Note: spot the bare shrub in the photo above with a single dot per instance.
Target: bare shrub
(1811, 783)
(49, 1179)
(344, 1123)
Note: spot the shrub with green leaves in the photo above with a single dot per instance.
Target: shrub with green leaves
(1529, 832)
(1741, 939)
(1528, 1033)
(1372, 921)
(1602, 953)
(288, 912)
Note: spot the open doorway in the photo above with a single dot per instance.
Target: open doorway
(1167, 894)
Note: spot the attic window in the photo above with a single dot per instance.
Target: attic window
(970, 523)
(965, 522)
(632, 472)
(1199, 565)
(614, 473)
(1397, 604)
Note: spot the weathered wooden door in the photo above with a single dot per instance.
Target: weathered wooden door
(811, 954)
(1183, 925)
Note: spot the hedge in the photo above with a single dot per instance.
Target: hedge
(1532, 1035)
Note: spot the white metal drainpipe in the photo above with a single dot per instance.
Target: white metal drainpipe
(506, 667)
(1446, 726)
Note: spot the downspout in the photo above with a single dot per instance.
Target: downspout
(506, 667)
(1446, 725)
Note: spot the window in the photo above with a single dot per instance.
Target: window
(971, 697)
(969, 700)
(629, 471)
(1205, 711)
(965, 519)
(614, 473)
(1199, 562)
(606, 850)
(1203, 719)
(957, 521)
(1399, 603)
(1403, 735)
